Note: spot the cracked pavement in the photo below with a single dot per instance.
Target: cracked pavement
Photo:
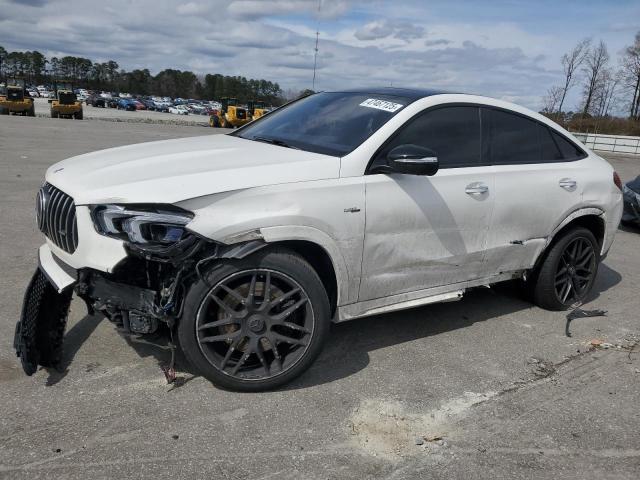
(491, 384)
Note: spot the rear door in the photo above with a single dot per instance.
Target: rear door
(538, 182)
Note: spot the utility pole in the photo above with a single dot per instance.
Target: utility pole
(315, 55)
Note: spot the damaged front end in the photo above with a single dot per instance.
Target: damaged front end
(143, 291)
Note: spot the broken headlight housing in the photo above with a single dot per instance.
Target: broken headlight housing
(143, 226)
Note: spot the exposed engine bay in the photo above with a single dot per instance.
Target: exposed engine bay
(144, 291)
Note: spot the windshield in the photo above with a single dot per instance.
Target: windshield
(328, 123)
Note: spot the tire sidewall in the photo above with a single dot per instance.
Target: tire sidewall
(281, 261)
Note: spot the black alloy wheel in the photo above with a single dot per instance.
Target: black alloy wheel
(257, 323)
(567, 271)
(575, 271)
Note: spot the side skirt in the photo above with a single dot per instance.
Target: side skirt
(447, 293)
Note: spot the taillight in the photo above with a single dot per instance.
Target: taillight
(617, 181)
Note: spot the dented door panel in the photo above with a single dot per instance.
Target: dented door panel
(423, 232)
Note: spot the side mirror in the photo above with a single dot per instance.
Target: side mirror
(413, 160)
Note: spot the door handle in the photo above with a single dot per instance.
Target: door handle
(476, 188)
(568, 184)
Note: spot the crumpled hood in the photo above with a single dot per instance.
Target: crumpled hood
(170, 171)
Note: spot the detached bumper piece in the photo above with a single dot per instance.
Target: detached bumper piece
(40, 331)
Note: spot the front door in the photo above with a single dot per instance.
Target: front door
(423, 232)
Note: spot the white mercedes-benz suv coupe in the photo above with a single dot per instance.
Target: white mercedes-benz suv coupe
(340, 205)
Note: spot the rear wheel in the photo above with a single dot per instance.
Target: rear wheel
(78, 115)
(255, 323)
(568, 272)
(54, 114)
(32, 111)
(4, 111)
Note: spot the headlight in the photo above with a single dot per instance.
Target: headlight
(157, 226)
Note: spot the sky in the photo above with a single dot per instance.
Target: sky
(508, 49)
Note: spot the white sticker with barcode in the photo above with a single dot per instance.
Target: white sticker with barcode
(381, 105)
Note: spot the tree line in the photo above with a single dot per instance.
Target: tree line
(605, 87)
(36, 68)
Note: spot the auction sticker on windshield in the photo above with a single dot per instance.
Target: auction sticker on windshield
(381, 105)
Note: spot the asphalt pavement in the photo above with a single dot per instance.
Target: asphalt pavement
(487, 387)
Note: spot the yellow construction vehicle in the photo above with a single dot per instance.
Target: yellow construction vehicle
(256, 109)
(230, 115)
(16, 99)
(65, 103)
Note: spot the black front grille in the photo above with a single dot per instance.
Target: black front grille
(56, 215)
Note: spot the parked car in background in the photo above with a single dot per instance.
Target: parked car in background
(138, 104)
(178, 110)
(96, 101)
(126, 104)
(112, 102)
(161, 105)
(250, 244)
(148, 103)
(631, 192)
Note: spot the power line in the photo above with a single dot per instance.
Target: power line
(315, 54)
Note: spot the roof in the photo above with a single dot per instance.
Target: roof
(412, 94)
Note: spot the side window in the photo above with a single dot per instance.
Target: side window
(453, 133)
(568, 149)
(511, 139)
(550, 150)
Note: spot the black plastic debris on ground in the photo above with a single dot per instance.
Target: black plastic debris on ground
(580, 313)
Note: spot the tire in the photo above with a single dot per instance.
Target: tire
(256, 351)
(552, 289)
(4, 111)
(54, 114)
(78, 115)
(32, 111)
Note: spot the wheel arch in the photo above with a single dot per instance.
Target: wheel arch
(590, 218)
(321, 262)
(324, 255)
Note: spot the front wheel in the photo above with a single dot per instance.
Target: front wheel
(255, 323)
(567, 274)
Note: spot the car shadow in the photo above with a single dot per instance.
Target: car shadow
(629, 227)
(73, 340)
(606, 279)
(347, 351)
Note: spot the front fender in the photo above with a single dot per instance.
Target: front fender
(328, 213)
(347, 284)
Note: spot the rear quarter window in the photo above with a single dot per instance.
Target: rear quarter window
(512, 139)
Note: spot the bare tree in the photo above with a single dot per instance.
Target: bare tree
(605, 90)
(552, 99)
(631, 69)
(595, 64)
(571, 61)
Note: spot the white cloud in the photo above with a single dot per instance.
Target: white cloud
(389, 28)
(362, 42)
